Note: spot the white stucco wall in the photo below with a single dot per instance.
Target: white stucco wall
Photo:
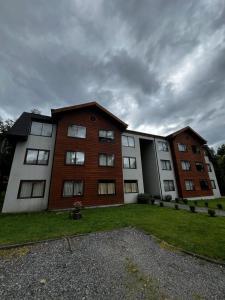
(166, 174)
(20, 171)
(212, 176)
(133, 174)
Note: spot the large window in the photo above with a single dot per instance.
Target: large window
(182, 147)
(213, 184)
(166, 164)
(106, 135)
(72, 188)
(204, 184)
(106, 187)
(199, 166)
(163, 146)
(189, 185)
(43, 129)
(129, 162)
(77, 131)
(130, 186)
(195, 149)
(75, 158)
(185, 165)
(36, 157)
(128, 141)
(106, 160)
(169, 185)
(31, 189)
(209, 168)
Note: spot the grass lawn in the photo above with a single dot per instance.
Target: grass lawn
(212, 203)
(193, 232)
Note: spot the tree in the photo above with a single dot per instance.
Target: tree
(219, 164)
(35, 111)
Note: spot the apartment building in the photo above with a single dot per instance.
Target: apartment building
(86, 153)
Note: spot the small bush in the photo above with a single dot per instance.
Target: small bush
(157, 197)
(196, 203)
(168, 198)
(211, 212)
(206, 204)
(185, 201)
(219, 206)
(152, 201)
(192, 208)
(176, 206)
(177, 200)
(161, 204)
(143, 198)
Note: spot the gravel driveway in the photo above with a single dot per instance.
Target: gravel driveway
(120, 264)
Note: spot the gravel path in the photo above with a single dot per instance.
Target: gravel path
(120, 264)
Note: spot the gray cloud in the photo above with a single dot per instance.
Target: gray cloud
(159, 65)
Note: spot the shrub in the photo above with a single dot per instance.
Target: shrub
(206, 204)
(192, 208)
(161, 204)
(185, 201)
(176, 206)
(152, 201)
(196, 203)
(211, 212)
(168, 198)
(219, 206)
(157, 197)
(177, 200)
(143, 198)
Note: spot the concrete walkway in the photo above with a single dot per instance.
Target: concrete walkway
(220, 213)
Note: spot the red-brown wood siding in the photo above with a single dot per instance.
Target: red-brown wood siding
(189, 139)
(90, 172)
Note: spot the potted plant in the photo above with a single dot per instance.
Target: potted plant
(168, 198)
(76, 214)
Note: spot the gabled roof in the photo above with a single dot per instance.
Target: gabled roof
(187, 128)
(89, 105)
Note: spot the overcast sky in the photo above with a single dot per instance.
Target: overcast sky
(159, 65)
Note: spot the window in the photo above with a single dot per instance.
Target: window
(106, 135)
(169, 185)
(204, 184)
(43, 129)
(213, 184)
(209, 168)
(75, 158)
(31, 189)
(189, 185)
(185, 165)
(166, 165)
(106, 188)
(77, 131)
(182, 147)
(195, 149)
(128, 141)
(163, 146)
(199, 166)
(36, 157)
(130, 186)
(72, 188)
(106, 160)
(129, 162)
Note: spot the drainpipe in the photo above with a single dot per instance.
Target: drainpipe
(157, 163)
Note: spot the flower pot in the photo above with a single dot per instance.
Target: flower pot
(76, 215)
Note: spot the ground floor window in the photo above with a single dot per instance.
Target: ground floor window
(72, 188)
(31, 189)
(169, 185)
(130, 186)
(106, 187)
(213, 184)
(189, 185)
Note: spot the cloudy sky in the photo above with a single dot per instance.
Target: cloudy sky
(157, 64)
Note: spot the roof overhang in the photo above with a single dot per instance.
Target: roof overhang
(188, 128)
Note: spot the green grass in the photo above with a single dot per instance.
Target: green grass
(211, 203)
(193, 232)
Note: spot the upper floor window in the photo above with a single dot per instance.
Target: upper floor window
(36, 157)
(77, 131)
(106, 187)
(166, 165)
(106, 160)
(185, 165)
(204, 184)
(106, 135)
(169, 185)
(128, 141)
(31, 189)
(213, 184)
(209, 168)
(129, 162)
(72, 188)
(195, 149)
(182, 147)
(75, 158)
(199, 166)
(130, 186)
(43, 129)
(189, 185)
(163, 146)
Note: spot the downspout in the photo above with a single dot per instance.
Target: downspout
(157, 163)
